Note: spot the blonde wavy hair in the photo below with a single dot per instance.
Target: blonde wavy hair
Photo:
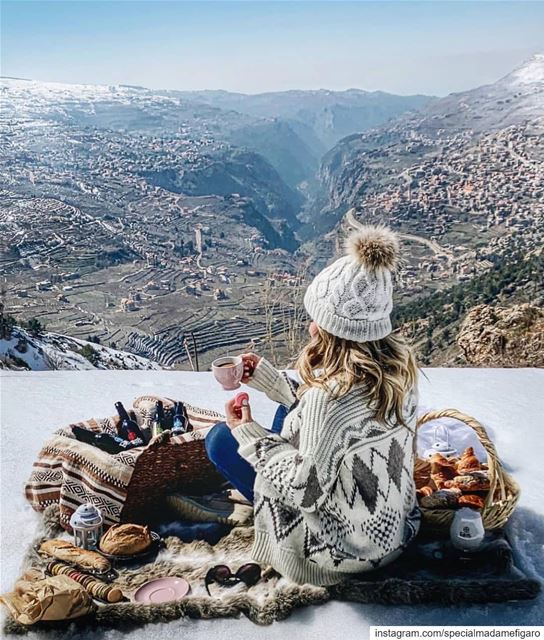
(386, 369)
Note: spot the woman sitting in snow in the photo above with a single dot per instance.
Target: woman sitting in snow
(332, 486)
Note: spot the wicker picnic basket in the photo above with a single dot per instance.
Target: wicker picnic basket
(170, 463)
(504, 491)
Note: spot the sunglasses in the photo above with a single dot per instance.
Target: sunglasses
(249, 574)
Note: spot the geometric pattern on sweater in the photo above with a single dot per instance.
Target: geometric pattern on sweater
(345, 437)
(335, 488)
(293, 386)
(366, 482)
(335, 523)
(380, 529)
(369, 488)
(312, 544)
(265, 446)
(372, 481)
(284, 518)
(395, 461)
(294, 438)
(368, 485)
(348, 427)
(312, 489)
(275, 471)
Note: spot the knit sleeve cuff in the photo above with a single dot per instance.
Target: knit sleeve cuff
(248, 432)
(265, 377)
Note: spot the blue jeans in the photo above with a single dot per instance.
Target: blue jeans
(222, 449)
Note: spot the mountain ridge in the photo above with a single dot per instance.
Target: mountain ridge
(474, 112)
(51, 351)
(335, 113)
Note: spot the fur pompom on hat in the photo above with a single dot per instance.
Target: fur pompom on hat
(375, 247)
(353, 297)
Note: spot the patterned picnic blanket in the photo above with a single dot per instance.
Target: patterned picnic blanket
(70, 473)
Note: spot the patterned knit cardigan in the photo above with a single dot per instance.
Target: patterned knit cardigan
(335, 492)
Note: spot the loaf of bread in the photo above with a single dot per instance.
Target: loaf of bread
(67, 552)
(125, 540)
(469, 482)
(470, 500)
(442, 499)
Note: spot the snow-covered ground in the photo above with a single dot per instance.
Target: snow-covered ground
(531, 72)
(509, 402)
(56, 351)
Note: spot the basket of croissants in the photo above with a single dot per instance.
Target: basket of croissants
(445, 484)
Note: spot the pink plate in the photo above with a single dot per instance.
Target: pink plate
(162, 590)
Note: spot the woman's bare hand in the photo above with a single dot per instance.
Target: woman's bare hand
(237, 415)
(250, 360)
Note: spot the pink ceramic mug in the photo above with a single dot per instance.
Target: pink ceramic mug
(228, 371)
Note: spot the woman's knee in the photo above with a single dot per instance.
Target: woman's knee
(215, 439)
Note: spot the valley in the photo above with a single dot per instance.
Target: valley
(179, 226)
(463, 177)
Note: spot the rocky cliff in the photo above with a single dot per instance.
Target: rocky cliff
(503, 336)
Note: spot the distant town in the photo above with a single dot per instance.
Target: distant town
(132, 219)
(472, 202)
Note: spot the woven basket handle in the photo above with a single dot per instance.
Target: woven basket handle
(496, 472)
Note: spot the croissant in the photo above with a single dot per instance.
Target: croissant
(470, 500)
(468, 482)
(442, 470)
(468, 462)
(444, 498)
(424, 491)
(422, 472)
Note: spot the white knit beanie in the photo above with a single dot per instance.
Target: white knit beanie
(352, 298)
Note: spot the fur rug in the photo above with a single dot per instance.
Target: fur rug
(272, 598)
(410, 580)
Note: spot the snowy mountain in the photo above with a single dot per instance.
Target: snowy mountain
(55, 351)
(206, 131)
(531, 72)
(450, 126)
(516, 98)
(327, 115)
(290, 129)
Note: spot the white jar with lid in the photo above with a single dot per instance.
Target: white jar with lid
(467, 530)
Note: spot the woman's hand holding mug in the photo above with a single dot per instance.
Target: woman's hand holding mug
(250, 360)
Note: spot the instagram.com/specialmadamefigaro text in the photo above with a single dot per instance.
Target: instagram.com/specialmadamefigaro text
(463, 632)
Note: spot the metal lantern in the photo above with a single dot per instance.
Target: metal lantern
(86, 521)
(441, 445)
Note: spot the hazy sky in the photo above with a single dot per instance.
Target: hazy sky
(403, 47)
